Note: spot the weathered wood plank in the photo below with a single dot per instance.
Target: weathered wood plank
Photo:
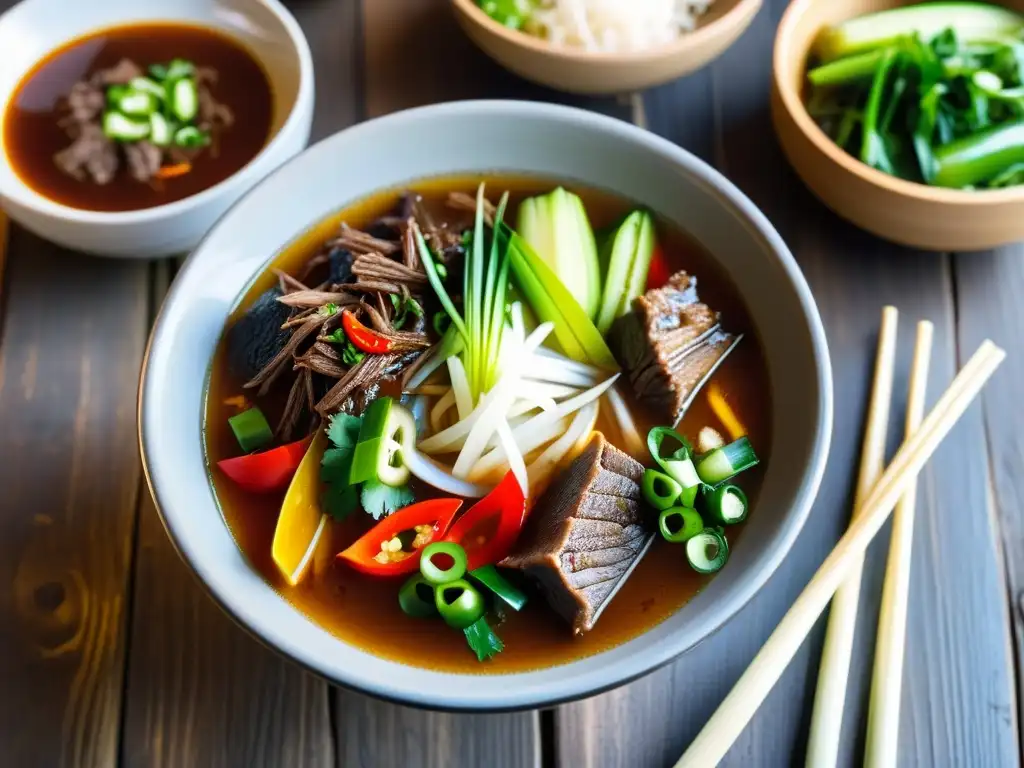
(957, 670)
(73, 338)
(989, 287)
(200, 690)
(374, 733)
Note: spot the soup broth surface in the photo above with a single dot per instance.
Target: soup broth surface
(32, 131)
(364, 611)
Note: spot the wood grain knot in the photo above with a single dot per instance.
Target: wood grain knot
(51, 600)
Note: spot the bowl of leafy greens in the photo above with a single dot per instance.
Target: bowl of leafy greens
(907, 119)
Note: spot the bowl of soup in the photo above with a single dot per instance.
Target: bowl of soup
(510, 404)
(128, 128)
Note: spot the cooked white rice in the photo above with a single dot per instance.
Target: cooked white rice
(614, 25)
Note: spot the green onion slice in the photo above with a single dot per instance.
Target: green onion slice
(120, 127)
(726, 504)
(441, 574)
(251, 430)
(708, 551)
(148, 85)
(136, 103)
(191, 137)
(161, 132)
(459, 603)
(372, 434)
(723, 463)
(659, 490)
(416, 598)
(678, 464)
(491, 577)
(184, 99)
(679, 524)
(482, 640)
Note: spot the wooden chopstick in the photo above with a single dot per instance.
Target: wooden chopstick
(732, 716)
(834, 670)
(887, 679)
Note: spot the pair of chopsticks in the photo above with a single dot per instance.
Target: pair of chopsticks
(877, 493)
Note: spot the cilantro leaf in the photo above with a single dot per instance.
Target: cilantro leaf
(380, 500)
(482, 640)
(344, 430)
(336, 464)
(340, 501)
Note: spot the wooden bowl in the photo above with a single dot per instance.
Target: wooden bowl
(905, 212)
(579, 71)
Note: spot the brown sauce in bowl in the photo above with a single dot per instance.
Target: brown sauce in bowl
(32, 120)
(363, 610)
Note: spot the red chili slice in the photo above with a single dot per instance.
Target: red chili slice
(505, 509)
(362, 553)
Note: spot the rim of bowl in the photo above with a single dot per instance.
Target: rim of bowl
(44, 205)
(497, 699)
(794, 105)
(742, 8)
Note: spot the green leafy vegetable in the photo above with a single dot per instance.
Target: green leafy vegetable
(931, 93)
(380, 500)
(482, 640)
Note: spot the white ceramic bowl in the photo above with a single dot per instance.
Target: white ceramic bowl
(463, 138)
(34, 28)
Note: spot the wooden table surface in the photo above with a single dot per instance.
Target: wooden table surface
(111, 652)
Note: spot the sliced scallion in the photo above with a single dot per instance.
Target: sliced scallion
(136, 103)
(120, 127)
(416, 598)
(482, 640)
(161, 132)
(148, 85)
(678, 464)
(726, 504)
(184, 99)
(659, 490)
(433, 563)
(708, 551)
(491, 578)
(179, 68)
(679, 524)
(725, 462)
(191, 137)
(459, 603)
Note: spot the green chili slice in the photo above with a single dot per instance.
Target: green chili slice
(679, 524)
(491, 578)
(659, 490)
(725, 504)
(416, 598)
(708, 551)
(251, 430)
(443, 550)
(459, 604)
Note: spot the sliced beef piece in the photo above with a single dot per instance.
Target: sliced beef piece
(257, 337)
(668, 343)
(584, 533)
(144, 160)
(119, 74)
(85, 101)
(91, 154)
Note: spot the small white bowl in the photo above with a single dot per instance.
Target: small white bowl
(34, 28)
